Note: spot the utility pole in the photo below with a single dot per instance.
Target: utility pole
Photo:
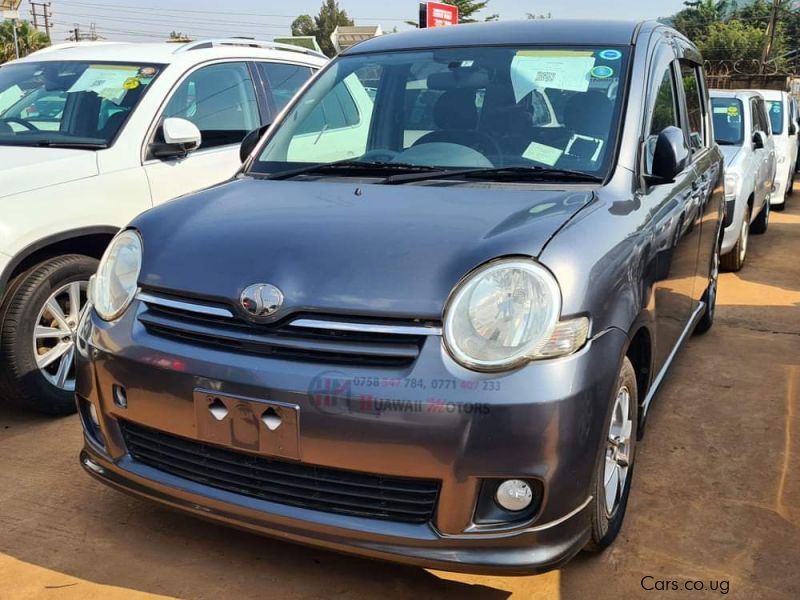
(772, 28)
(41, 10)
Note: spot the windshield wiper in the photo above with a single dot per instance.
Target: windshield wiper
(350, 167)
(497, 174)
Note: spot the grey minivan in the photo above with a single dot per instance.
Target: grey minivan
(427, 320)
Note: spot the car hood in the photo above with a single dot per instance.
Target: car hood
(335, 247)
(26, 169)
(730, 153)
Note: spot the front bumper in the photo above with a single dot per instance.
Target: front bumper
(544, 422)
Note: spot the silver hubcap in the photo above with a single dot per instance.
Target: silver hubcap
(745, 236)
(54, 335)
(618, 451)
(712, 288)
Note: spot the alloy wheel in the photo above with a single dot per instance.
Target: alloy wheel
(745, 237)
(54, 335)
(711, 297)
(619, 451)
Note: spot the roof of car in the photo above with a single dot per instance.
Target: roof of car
(773, 94)
(522, 33)
(166, 53)
(741, 94)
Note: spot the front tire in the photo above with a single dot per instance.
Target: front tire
(735, 259)
(706, 322)
(38, 324)
(614, 469)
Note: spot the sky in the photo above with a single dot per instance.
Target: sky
(152, 20)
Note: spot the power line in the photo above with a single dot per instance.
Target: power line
(41, 10)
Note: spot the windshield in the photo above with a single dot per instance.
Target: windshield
(473, 108)
(776, 115)
(69, 103)
(728, 123)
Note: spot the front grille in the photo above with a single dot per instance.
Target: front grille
(283, 340)
(294, 484)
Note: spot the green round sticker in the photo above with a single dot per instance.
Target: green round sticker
(602, 72)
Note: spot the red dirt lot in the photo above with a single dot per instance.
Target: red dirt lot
(715, 501)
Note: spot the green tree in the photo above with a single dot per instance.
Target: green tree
(29, 38)
(733, 41)
(323, 25)
(695, 20)
(468, 8)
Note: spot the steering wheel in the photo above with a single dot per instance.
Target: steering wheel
(19, 121)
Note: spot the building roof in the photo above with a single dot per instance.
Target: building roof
(519, 33)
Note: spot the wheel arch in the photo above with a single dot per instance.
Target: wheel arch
(90, 241)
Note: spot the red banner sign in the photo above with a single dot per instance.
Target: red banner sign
(436, 14)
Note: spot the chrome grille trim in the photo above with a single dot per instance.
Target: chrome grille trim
(202, 309)
(366, 327)
(302, 323)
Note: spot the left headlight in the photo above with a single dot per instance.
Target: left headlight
(507, 313)
(114, 287)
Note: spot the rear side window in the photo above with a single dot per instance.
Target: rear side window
(775, 108)
(694, 105)
(284, 81)
(728, 115)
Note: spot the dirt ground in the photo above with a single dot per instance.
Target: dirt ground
(716, 496)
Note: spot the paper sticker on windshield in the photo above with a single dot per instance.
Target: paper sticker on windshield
(147, 71)
(560, 71)
(547, 155)
(733, 111)
(107, 81)
(131, 83)
(610, 54)
(602, 72)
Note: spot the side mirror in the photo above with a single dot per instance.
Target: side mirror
(671, 156)
(792, 128)
(250, 142)
(759, 140)
(180, 138)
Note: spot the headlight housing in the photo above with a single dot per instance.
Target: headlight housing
(114, 287)
(507, 313)
(732, 181)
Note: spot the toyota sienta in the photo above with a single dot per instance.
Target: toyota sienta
(426, 321)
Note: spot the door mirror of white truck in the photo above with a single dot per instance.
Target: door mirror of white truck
(759, 140)
(180, 138)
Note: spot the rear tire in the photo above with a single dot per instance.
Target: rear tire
(706, 322)
(30, 330)
(761, 224)
(735, 259)
(614, 468)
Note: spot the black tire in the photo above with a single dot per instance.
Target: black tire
(606, 526)
(21, 381)
(706, 322)
(761, 224)
(735, 259)
(778, 207)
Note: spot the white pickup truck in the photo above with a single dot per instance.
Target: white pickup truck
(742, 130)
(91, 135)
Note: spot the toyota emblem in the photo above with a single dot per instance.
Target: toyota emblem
(262, 300)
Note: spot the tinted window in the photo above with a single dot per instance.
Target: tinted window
(220, 100)
(284, 81)
(775, 108)
(694, 105)
(728, 115)
(69, 102)
(664, 114)
(461, 107)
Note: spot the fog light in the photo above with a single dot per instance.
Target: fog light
(93, 415)
(514, 495)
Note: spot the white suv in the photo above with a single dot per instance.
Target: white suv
(782, 114)
(742, 130)
(92, 134)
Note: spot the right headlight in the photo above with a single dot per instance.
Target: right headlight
(732, 181)
(507, 313)
(114, 287)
